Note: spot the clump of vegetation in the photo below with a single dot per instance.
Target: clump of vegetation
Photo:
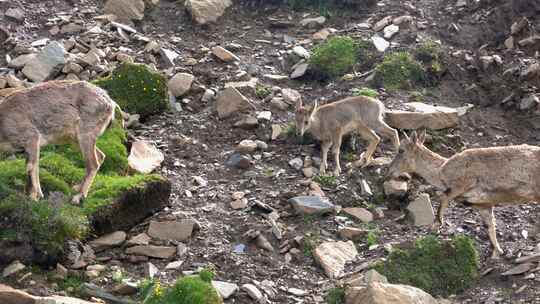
(399, 71)
(72, 285)
(438, 267)
(365, 92)
(335, 296)
(326, 180)
(335, 57)
(310, 243)
(429, 53)
(187, 290)
(262, 92)
(372, 238)
(47, 225)
(137, 89)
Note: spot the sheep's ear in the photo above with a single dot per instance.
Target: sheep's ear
(299, 104)
(414, 137)
(422, 137)
(315, 107)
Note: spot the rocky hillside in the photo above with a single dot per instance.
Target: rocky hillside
(211, 88)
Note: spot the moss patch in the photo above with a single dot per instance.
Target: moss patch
(335, 57)
(47, 224)
(137, 89)
(399, 71)
(439, 268)
(335, 296)
(187, 290)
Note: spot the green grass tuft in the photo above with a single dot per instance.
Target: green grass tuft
(187, 290)
(137, 89)
(334, 57)
(335, 296)
(399, 71)
(365, 92)
(262, 92)
(437, 267)
(326, 180)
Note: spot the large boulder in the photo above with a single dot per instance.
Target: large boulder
(47, 63)
(230, 102)
(332, 256)
(205, 11)
(421, 115)
(125, 10)
(381, 293)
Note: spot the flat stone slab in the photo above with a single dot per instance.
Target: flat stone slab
(174, 230)
(160, 252)
(420, 115)
(311, 205)
(332, 256)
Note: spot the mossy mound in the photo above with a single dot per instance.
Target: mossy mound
(137, 89)
(45, 225)
(399, 70)
(438, 267)
(334, 57)
(187, 290)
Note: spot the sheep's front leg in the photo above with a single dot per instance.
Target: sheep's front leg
(32, 169)
(325, 146)
(336, 150)
(489, 220)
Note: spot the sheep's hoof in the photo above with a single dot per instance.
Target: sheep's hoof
(436, 228)
(76, 200)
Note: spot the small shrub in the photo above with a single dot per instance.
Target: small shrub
(439, 268)
(262, 92)
(187, 290)
(372, 238)
(335, 296)
(399, 71)
(137, 89)
(365, 92)
(72, 285)
(326, 180)
(335, 57)
(310, 243)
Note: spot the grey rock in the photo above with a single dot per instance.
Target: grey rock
(231, 101)
(180, 84)
(205, 11)
(332, 256)
(47, 63)
(299, 70)
(225, 289)
(173, 230)
(311, 205)
(125, 10)
(160, 252)
(237, 160)
(109, 241)
(421, 210)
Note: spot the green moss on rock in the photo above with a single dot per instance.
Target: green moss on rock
(137, 89)
(46, 225)
(399, 71)
(187, 290)
(440, 268)
(334, 57)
